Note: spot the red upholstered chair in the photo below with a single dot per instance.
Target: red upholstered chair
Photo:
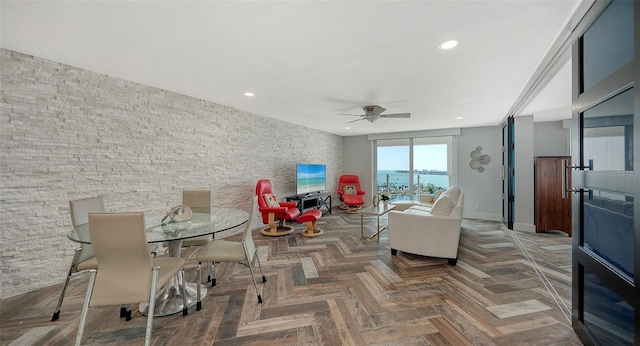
(274, 210)
(350, 193)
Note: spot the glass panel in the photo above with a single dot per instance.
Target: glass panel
(608, 133)
(393, 168)
(608, 229)
(608, 318)
(608, 43)
(429, 169)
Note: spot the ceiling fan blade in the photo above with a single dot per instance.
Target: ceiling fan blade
(348, 122)
(353, 115)
(396, 115)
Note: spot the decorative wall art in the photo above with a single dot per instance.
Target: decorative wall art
(478, 159)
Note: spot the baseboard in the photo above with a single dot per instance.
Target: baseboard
(525, 227)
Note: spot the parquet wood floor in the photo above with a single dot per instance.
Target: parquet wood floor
(509, 288)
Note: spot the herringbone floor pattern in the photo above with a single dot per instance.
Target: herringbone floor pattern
(508, 288)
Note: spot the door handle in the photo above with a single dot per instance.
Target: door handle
(581, 190)
(589, 166)
(565, 177)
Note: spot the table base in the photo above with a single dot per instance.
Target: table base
(376, 235)
(169, 299)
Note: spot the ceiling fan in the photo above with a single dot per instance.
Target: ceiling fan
(373, 113)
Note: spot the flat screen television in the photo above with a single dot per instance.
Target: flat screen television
(310, 178)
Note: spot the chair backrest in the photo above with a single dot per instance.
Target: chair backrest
(348, 180)
(247, 237)
(198, 200)
(80, 210)
(119, 241)
(262, 187)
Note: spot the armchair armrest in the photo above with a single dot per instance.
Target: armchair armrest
(272, 209)
(288, 205)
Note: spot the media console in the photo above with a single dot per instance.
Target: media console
(318, 201)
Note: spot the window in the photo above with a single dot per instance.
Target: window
(413, 168)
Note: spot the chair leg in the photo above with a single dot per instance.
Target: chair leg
(127, 315)
(253, 278)
(185, 308)
(152, 305)
(212, 271)
(85, 307)
(264, 278)
(199, 302)
(56, 313)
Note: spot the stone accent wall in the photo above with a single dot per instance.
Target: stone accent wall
(68, 133)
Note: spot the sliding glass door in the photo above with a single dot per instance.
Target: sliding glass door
(430, 167)
(606, 179)
(413, 168)
(392, 174)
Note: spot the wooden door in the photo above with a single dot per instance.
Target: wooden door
(552, 212)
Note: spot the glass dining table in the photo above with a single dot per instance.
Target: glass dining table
(169, 298)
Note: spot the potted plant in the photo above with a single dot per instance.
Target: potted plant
(384, 199)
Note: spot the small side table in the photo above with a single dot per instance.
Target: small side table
(378, 211)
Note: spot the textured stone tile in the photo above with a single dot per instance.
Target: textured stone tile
(517, 308)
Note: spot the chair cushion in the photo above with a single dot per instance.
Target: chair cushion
(422, 207)
(453, 190)
(222, 251)
(89, 263)
(349, 190)
(353, 200)
(310, 215)
(444, 205)
(197, 241)
(415, 211)
(271, 200)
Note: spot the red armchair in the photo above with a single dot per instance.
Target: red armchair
(273, 210)
(350, 192)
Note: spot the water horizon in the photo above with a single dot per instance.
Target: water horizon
(400, 178)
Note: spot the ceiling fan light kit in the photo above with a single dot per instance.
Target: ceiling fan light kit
(374, 112)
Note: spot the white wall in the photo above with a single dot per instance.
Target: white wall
(358, 160)
(483, 190)
(68, 133)
(551, 138)
(524, 199)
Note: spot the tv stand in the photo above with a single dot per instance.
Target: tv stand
(320, 201)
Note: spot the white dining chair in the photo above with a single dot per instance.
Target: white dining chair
(83, 259)
(200, 202)
(126, 274)
(243, 252)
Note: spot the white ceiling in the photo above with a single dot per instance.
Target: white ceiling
(307, 61)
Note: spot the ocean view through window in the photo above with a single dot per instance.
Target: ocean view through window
(402, 178)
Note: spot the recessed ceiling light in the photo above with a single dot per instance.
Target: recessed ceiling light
(347, 128)
(248, 93)
(449, 44)
(459, 118)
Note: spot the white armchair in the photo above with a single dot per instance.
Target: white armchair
(429, 231)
